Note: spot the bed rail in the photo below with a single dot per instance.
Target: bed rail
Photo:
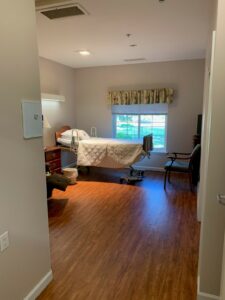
(148, 144)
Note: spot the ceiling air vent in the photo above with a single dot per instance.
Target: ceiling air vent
(61, 10)
(134, 59)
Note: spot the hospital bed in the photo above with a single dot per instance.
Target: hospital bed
(104, 152)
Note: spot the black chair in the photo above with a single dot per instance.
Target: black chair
(188, 163)
(55, 181)
(136, 174)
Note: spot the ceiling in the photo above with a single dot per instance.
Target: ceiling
(162, 31)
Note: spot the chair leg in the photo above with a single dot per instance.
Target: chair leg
(165, 177)
(169, 173)
(190, 182)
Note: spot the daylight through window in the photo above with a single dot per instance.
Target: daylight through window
(135, 126)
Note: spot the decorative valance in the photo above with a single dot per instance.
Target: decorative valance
(151, 96)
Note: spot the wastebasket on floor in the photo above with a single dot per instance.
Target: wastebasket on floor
(71, 174)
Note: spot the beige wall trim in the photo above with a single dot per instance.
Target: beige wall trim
(91, 103)
(72, 165)
(42, 284)
(205, 296)
(156, 169)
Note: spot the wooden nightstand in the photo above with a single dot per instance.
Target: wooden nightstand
(53, 159)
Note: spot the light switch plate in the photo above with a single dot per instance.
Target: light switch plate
(32, 119)
(4, 241)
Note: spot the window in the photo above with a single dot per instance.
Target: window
(135, 126)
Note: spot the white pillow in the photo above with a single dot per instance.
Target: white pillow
(67, 133)
(81, 134)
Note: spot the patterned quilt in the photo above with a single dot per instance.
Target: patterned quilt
(108, 153)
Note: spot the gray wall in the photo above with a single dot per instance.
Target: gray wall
(206, 116)
(86, 98)
(23, 203)
(213, 221)
(58, 79)
(186, 77)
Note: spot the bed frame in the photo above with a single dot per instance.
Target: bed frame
(135, 174)
(147, 140)
(58, 133)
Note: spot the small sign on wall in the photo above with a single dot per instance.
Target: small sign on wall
(32, 119)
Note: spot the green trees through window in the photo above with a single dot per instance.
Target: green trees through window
(136, 126)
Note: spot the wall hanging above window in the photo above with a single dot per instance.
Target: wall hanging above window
(151, 96)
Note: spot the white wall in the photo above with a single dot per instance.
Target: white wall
(23, 203)
(213, 223)
(86, 98)
(186, 77)
(206, 115)
(58, 79)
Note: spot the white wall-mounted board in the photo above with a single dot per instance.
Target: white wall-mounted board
(32, 119)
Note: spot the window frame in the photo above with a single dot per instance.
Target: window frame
(114, 117)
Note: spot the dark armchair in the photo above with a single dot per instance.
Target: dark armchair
(55, 181)
(188, 163)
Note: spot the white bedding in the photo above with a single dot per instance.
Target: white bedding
(108, 153)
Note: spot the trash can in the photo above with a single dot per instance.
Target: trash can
(71, 174)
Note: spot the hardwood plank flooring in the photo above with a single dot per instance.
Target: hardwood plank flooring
(122, 242)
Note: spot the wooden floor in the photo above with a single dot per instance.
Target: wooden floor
(121, 242)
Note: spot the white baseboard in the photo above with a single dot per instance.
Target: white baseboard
(72, 165)
(155, 169)
(41, 285)
(205, 296)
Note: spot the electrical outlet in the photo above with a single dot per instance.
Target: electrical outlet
(4, 241)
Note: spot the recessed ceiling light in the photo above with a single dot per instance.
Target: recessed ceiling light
(84, 52)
